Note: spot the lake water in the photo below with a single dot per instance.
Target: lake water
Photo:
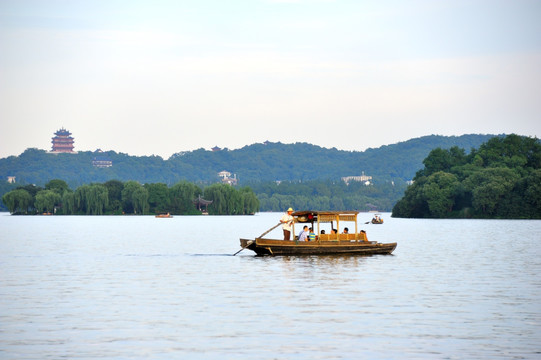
(134, 287)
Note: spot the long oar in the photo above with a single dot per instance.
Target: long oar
(268, 231)
(252, 241)
(247, 244)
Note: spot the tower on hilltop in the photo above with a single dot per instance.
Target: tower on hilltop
(62, 142)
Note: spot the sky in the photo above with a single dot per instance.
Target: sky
(165, 76)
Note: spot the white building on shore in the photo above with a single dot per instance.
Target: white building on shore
(361, 178)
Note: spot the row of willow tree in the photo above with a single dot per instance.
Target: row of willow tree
(502, 179)
(130, 197)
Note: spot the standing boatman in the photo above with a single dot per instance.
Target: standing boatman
(286, 221)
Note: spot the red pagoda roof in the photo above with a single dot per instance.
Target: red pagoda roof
(62, 132)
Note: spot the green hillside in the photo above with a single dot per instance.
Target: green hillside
(256, 162)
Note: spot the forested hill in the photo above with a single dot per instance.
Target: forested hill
(256, 162)
(501, 179)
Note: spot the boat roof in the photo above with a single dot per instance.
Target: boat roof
(324, 216)
(306, 212)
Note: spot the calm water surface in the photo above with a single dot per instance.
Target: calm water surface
(140, 287)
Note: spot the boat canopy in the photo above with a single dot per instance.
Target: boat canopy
(324, 216)
(319, 217)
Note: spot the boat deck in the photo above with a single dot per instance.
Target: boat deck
(292, 247)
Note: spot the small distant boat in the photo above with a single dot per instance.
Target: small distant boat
(355, 243)
(377, 219)
(164, 215)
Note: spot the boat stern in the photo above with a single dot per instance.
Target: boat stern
(250, 244)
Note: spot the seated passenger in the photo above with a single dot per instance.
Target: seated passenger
(363, 235)
(311, 235)
(303, 235)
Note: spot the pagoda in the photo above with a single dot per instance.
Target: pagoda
(62, 142)
(202, 202)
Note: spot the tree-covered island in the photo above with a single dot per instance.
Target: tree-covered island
(501, 179)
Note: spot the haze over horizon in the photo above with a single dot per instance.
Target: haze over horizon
(166, 76)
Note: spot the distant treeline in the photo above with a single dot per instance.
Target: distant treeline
(328, 195)
(117, 197)
(502, 179)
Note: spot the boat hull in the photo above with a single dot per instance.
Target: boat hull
(286, 248)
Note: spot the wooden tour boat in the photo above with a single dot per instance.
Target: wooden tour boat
(353, 243)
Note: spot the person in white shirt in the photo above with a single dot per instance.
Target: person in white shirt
(286, 221)
(303, 236)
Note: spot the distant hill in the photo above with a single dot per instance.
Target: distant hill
(252, 163)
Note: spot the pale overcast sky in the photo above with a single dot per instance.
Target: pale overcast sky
(160, 77)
